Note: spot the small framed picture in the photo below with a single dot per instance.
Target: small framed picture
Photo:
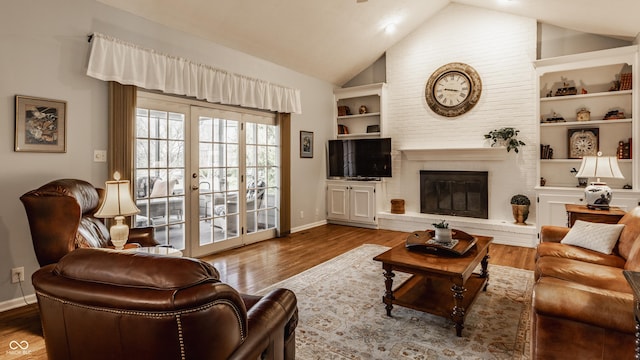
(306, 144)
(40, 125)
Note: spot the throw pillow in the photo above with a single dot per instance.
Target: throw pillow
(593, 236)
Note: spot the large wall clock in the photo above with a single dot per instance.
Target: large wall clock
(453, 89)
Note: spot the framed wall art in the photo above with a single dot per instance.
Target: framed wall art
(583, 142)
(306, 144)
(41, 125)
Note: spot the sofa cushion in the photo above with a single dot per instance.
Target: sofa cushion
(578, 253)
(593, 236)
(600, 276)
(599, 307)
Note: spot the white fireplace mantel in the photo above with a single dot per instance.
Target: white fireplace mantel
(456, 153)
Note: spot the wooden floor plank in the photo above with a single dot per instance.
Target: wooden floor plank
(254, 267)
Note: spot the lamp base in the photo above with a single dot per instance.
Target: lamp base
(119, 233)
(598, 196)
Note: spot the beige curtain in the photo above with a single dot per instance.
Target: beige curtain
(122, 116)
(284, 121)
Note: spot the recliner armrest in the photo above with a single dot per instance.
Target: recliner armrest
(271, 320)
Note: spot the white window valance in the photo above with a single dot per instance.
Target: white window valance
(116, 60)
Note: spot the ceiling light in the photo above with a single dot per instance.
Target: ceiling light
(390, 28)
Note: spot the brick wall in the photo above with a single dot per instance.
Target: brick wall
(501, 48)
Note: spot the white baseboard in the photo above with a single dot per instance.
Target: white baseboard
(308, 226)
(17, 302)
(503, 232)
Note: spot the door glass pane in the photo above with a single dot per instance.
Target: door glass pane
(159, 174)
(219, 173)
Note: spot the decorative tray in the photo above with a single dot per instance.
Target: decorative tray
(425, 241)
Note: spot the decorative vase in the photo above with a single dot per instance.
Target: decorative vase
(443, 235)
(520, 213)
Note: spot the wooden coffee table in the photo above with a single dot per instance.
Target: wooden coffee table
(440, 285)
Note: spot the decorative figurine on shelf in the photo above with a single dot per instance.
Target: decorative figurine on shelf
(363, 109)
(543, 181)
(583, 91)
(555, 118)
(583, 115)
(566, 90)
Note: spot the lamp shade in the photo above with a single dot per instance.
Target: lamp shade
(117, 200)
(600, 167)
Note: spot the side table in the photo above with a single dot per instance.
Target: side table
(158, 250)
(633, 278)
(581, 212)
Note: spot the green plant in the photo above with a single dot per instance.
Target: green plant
(441, 225)
(507, 135)
(520, 200)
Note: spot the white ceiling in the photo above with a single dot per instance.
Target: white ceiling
(334, 40)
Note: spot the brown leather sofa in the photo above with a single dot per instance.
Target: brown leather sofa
(582, 305)
(104, 304)
(61, 219)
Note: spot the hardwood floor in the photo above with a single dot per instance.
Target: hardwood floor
(254, 267)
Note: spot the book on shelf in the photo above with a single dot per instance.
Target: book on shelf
(546, 152)
(343, 129)
(624, 149)
(626, 81)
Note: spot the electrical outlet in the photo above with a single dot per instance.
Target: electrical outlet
(17, 275)
(100, 155)
(301, 214)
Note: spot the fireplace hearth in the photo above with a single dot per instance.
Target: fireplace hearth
(455, 193)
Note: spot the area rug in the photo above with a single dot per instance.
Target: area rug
(341, 315)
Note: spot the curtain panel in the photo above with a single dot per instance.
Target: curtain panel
(116, 60)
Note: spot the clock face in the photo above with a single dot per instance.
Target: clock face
(453, 89)
(583, 143)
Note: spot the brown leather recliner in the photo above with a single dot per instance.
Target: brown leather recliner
(104, 304)
(61, 219)
(582, 305)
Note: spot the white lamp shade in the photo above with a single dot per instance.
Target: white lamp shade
(117, 200)
(600, 167)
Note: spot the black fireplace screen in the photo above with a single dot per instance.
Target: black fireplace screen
(457, 193)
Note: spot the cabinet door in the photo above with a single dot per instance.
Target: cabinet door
(551, 210)
(338, 202)
(362, 204)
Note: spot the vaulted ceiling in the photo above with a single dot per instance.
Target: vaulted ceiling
(334, 40)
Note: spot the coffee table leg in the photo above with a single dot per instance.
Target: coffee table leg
(388, 284)
(485, 271)
(457, 315)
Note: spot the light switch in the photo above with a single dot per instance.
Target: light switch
(100, 155)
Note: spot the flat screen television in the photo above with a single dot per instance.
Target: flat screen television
(359, 158)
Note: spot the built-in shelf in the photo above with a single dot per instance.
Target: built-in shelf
(461, 153)
(585, 123)
(583, 96)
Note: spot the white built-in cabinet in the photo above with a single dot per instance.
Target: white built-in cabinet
(596, 73)
(352, 203)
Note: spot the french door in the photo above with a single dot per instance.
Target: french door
(219, 185)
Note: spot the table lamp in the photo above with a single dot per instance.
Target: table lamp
(117, 204)
(598, 195)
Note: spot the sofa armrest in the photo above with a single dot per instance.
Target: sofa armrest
(145, 236)
(271, 321)
(551, 233)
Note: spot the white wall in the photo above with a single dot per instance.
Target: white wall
(501, 48)
(44, 52)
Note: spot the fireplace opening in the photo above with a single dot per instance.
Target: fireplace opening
(456, 193)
